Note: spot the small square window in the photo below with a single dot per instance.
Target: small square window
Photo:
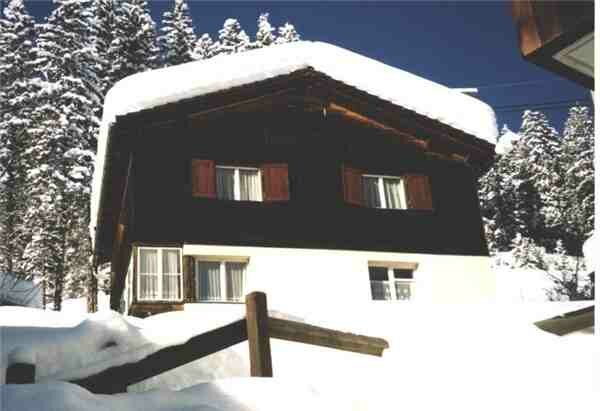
(388, 283)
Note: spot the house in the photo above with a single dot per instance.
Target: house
(303, 170)
(557, 36)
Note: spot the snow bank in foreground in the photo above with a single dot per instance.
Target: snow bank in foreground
(440, 357)
(250, 394)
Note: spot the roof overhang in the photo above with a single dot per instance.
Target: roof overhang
(558, 36)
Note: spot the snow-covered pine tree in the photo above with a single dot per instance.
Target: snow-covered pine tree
(105, 12)
(205, 47)
(577, 166)
(177, 40)
(232, 38)
(134, 47)
(63, 138)
(536, 178)
(498, 201)
(287, 34)
(264, 35)
(17, 32)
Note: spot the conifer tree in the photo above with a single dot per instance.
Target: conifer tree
(205, 47)
(177, 40)
(264, 35)
(63, 134)
(232, 38)
(287, 34)
(133, 48)
(17, 31)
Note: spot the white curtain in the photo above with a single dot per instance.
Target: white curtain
(148, 274)
(371, 192)
(393, 192)
(249, 185)
(235, 281)
(171, 275)
(225, 181)
(209, 276)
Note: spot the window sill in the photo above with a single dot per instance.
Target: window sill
(217, 302)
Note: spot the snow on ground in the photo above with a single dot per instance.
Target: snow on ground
(441, 356)
(240, 394)
(157, 87)
(79, 305)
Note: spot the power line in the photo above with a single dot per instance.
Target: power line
(516, 83)
(543, 105)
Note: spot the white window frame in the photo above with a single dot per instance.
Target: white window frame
(391, 281)
(159, 274)
(236, 182)
(222, 278)
(381, 190)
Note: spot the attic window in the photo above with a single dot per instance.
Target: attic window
(407, 191)
(383, 192)
(267, 182)
(238, 183)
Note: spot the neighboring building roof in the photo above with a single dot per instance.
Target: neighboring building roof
(16, 291)
(158, 87)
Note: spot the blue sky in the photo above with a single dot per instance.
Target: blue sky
(458, 44)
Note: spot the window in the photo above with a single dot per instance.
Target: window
(268, 182)
(221, 281)
(391, 283)
(408, 191)
(383, 192)
(159, 274)
(238, 183)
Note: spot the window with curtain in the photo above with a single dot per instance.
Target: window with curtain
(384, 192)
(221, 281)
(389, 283)
(159, 274)
(238, 183)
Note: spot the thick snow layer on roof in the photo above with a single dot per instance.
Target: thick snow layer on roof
(154, 88)
(440, 357)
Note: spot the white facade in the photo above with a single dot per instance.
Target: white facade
(294, 278)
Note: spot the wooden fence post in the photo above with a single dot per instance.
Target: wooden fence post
(257, 323)
(20, 373)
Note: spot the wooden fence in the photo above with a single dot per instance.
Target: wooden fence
(258, 328)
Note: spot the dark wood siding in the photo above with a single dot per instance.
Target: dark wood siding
(315, 149)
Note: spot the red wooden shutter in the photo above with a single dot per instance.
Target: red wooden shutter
(275, 180)
(203, 179)
(352, 182)
(418, 192)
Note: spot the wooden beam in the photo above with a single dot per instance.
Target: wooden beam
(325, 337)
(257, 322)
(117, 379)
(359, 118)
(568, 322)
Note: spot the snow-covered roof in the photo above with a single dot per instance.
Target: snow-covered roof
(158, 87)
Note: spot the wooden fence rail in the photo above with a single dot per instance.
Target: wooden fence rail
(257, 328)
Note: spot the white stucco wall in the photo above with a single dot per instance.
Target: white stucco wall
(295, 278)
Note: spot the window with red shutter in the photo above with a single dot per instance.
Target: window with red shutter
(352, 184)
(275, 182)
(203, 179)
(418, 190)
